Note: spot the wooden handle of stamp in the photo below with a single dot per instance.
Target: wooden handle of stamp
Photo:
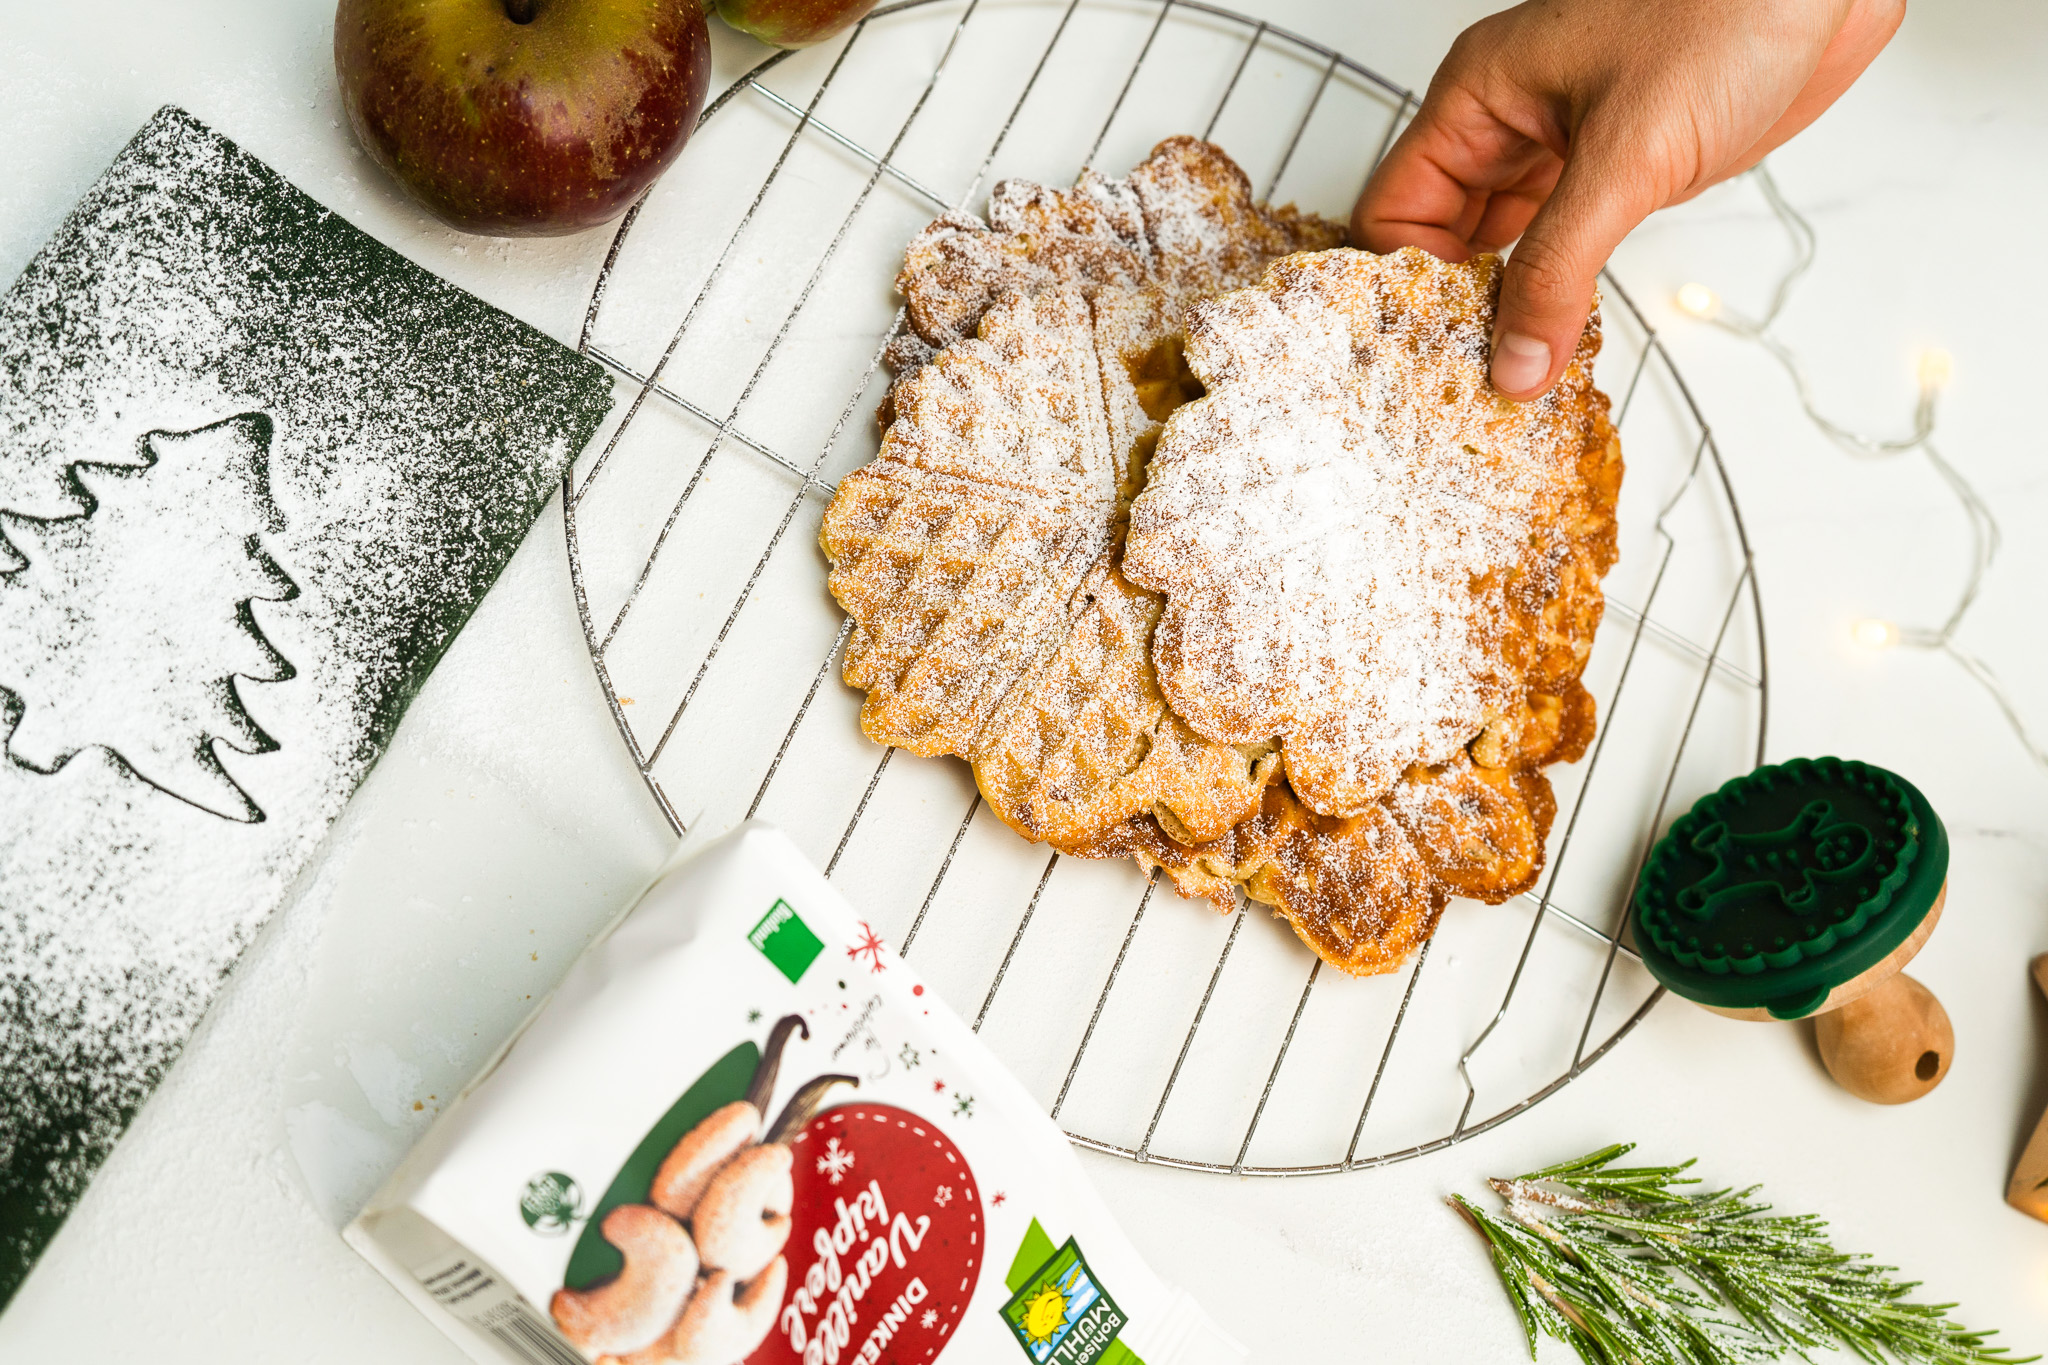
(1889, 1045)
(2028, 1191)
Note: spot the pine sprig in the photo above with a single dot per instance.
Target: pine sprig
(1627, 1266)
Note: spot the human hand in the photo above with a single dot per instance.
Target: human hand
(1567, 122)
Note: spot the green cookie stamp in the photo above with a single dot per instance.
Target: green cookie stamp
(1789, 882)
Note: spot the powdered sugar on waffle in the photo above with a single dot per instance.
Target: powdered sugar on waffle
(1183, 221)
(1336, 523)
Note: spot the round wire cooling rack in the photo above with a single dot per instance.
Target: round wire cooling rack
(745, 306)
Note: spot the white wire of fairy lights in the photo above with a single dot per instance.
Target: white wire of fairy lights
(1933, 371)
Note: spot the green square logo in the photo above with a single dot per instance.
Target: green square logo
(1063, 1316)
(786, 941)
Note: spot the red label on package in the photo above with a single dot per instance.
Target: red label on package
(885, 1241)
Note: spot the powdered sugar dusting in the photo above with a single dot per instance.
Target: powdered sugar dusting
(1183, 222)
(209, 382)
(1337, 525)
(960, 549)
(104, 643)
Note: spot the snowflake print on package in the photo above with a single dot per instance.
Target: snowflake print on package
(836, 1161)
(256, 470)
(868, 948)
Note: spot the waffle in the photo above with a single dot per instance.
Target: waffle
(1365, 550)
(1183, 222)
(960, 549)
(1414, 730)
(977, 556)
(982, 559)
(977, 553)
(1364, 891)
(1356, 889)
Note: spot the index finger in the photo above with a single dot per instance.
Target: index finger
(1458, 179)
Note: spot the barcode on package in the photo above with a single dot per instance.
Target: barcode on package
(458, 1285)
(471, 1292)
(520, 1330)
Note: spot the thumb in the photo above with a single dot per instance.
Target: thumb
(1547, 288)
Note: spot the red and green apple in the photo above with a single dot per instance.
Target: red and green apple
(792, 23)
(523, 117)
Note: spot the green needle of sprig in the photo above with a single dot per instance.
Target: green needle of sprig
(1627, 1266)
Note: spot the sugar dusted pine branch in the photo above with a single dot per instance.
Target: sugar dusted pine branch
(1627, 1266)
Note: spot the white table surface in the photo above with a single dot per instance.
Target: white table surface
(506, 824)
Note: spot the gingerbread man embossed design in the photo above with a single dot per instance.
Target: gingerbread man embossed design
(1817, 849)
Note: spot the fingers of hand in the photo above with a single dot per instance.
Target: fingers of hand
(1643, 113)
(1460, 173)
(1548, 286)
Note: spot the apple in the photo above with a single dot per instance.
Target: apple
(792, 23)
(523, 118)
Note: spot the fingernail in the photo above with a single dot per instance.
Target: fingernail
(1519, 362)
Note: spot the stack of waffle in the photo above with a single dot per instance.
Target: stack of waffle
(1206, 542)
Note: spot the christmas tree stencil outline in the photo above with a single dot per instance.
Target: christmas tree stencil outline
(130, 627)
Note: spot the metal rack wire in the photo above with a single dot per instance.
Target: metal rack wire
(1695, 511)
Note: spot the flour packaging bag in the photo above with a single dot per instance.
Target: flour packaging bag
(743, 1130)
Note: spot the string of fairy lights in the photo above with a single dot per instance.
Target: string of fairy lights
(1933, 371)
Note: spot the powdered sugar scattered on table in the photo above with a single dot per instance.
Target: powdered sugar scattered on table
(415, 435)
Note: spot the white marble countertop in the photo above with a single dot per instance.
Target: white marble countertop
(506, 824)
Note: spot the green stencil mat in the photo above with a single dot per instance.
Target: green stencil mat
(256, 470)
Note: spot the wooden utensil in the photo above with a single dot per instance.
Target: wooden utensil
(2028, 1190)
(1890, 1045)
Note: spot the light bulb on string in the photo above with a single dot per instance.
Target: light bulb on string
(1696, 300)
(1874, 633)
(1935, 368)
